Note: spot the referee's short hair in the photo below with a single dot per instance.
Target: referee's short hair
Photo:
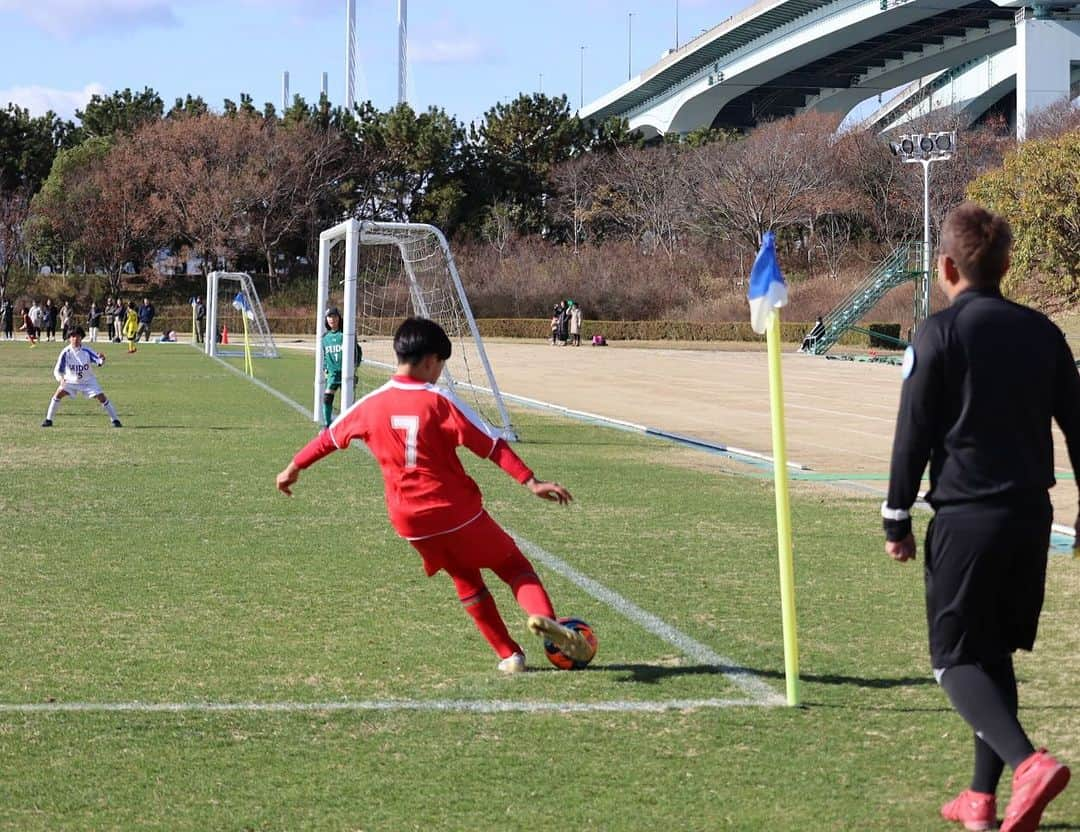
(978, 242)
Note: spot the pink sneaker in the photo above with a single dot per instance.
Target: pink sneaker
(1036, 781)
(976, 810)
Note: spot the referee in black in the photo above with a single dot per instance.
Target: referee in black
(982, 383)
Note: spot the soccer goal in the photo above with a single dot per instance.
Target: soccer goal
(391, 271)
(235, 321)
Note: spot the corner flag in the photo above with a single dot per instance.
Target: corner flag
(240, 304)
(767, 294)
(768, 290)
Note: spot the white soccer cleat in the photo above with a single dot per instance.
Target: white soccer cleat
(568, 640)
(514, 663)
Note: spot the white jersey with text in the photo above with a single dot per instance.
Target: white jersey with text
(75, 370)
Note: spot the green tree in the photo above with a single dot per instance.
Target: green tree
(121, 112)
(518, 145)
(1038, 189)
(189, 106)
(58, 211)
(28, 146)
(415, 163)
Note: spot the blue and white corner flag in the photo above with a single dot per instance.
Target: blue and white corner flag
(768, 290)
(240, 304)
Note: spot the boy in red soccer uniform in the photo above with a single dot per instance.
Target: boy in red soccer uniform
(413, 429)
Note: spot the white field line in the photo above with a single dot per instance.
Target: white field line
(697, 651)
(760, 692)
(491, 706)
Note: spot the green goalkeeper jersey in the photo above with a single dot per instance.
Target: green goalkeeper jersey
(332, 345)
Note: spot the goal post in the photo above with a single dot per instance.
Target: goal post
(235, 314)
(391, 271)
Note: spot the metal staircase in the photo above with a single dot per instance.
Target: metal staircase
(898, 268)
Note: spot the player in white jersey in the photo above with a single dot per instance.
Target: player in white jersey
(74, 371)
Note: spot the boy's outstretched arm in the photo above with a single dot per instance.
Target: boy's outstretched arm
(549, 491)
(287, 477)
(308, 455)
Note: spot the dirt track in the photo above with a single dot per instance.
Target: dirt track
(840, 414)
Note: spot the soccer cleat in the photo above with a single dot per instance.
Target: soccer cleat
(1036, 781)
(47, 423)
(976, 810)
(568, 640)
(116, 423)
(514, 663)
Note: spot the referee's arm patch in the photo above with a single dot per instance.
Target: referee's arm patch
(908, 365)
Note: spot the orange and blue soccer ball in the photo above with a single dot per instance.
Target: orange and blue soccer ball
(562, 661)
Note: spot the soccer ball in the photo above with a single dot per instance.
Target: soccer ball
(558, 658)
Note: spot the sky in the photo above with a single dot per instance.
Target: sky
(465, 56)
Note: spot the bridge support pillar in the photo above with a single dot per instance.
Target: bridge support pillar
(1046, 50)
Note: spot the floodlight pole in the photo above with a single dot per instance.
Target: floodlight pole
(923, 299)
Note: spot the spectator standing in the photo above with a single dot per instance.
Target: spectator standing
(7, 315)
(67, 315)
(119, 319)
(93, 320)
(37, 316)
(146, 318)
(200, 320)
(575, 323)
(49, 320)
(555, 312)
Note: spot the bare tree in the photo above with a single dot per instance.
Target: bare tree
(643, 192)
(765, 181)
(295, 169)
(14, 210)
(575, 182)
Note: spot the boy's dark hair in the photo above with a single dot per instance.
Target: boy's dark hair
(420, 337)
(978, 241)
(78, 330)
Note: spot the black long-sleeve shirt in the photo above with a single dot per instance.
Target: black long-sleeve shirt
(987, 378)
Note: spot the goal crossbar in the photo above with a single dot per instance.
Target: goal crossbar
(354, 234)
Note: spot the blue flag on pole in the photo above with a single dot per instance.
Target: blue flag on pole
(768, 290)
(240, 304)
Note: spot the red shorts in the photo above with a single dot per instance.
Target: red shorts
(481, 544)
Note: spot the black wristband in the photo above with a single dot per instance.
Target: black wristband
(897, 530)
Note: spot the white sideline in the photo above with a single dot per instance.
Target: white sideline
(697, 651)
(742, 677)
(494, 706)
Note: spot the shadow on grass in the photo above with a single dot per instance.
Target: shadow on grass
(651, 673)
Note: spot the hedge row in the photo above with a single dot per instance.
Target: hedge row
(539, 329)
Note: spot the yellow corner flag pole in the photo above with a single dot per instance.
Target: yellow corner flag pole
(249, 365)
(783, 512)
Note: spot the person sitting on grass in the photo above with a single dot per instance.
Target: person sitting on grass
(413, 428)
(74, 371)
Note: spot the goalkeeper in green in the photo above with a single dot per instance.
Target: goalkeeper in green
(331, 349)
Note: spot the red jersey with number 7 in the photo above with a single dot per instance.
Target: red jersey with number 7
(413, 430)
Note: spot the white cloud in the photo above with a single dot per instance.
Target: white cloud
(72, 18)
(447, 51)
(39, 100)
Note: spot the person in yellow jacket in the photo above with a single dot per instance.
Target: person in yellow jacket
(131, 325)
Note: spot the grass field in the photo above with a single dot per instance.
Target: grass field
(205, 653)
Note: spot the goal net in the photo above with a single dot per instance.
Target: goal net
(383, 273)
(235, 314)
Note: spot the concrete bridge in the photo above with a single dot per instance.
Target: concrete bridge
(781, 57)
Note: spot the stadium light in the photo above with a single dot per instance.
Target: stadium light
(925, 148)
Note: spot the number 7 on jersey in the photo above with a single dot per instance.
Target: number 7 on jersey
(411, 426)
